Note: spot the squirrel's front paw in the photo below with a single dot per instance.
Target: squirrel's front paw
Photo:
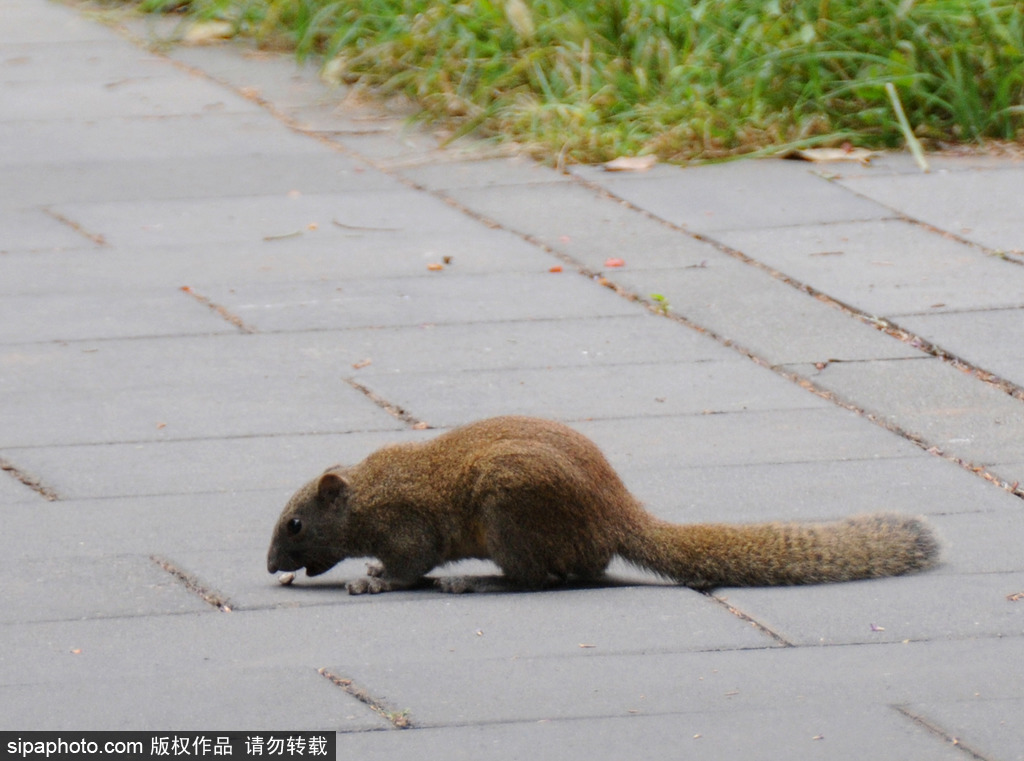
(367, 584)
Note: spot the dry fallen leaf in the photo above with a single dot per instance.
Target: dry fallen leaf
(614, 262)
(828, 155)
(630, 164)
(435, 266)
(556, 268)
(206, 32)
(362, 363)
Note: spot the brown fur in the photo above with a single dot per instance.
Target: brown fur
(542, 502)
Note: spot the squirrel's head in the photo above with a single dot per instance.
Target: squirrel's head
(307, 533)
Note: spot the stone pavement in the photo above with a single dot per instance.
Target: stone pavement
(215, 280)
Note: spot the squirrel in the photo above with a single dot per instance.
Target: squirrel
(540, 500)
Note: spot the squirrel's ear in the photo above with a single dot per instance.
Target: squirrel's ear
(331, 486)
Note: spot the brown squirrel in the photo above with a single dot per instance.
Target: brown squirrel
(541, 501)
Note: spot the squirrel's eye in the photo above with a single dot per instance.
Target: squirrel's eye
(294, 526)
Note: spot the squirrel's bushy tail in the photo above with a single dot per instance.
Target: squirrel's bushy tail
(762, 554)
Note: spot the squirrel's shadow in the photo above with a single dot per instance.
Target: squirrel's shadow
(487, 584)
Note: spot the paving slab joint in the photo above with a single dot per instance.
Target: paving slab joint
(397, 719)
(749, 619)
(96, 238)
(1007, 256)
(392, 409)
(934, 729)
(29, 480)
(193, 584)
(1015, 488)
(893, 329)
(219, 309)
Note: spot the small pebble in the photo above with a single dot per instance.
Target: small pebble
(286, 578)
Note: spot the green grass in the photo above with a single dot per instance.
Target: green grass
(588, 80)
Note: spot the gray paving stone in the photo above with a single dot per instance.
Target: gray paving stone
(987, 728)
(581, 223)
(91, 316)
(123, 585)
(487, 173)
(929, 398)
(159, 390)
(587, 684)
(982, 542)
(232, 522)
(105, 57)
(740, 195)
(204, 465)
(747, 307)
(179, 222)
(1011, 471)
(159, 177)
(261, 697)
(983, 208)
(73, 140)
(274, 76)
(12, 491)
(27, 22)
(992, 340)
(32, 230)
(430, 298)
(645, 390)
(352, 256)
(884, 267)
(524, 344)
(111, 98)
(822, 731)
(746, 438)
(888, 610)
(817, 490)
(444, 630)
